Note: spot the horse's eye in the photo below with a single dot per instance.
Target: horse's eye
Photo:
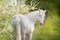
(39, 15)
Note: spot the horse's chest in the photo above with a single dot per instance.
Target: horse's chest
(27, 25)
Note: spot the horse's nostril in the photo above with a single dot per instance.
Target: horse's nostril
(41, 24)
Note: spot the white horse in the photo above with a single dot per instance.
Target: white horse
(24, 24)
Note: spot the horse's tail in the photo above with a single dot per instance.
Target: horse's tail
(17, 27)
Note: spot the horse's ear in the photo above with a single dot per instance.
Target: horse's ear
(45, 10)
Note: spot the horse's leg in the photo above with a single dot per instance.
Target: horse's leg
(30, 36)
(14, 34)
(17, 33)
(23, 34)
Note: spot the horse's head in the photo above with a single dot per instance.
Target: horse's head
(41, 16)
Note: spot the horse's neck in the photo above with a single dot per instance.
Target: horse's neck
(32, 16)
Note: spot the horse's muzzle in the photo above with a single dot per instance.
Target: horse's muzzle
(41, 24)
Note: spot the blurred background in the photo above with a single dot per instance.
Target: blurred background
(49, 31)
